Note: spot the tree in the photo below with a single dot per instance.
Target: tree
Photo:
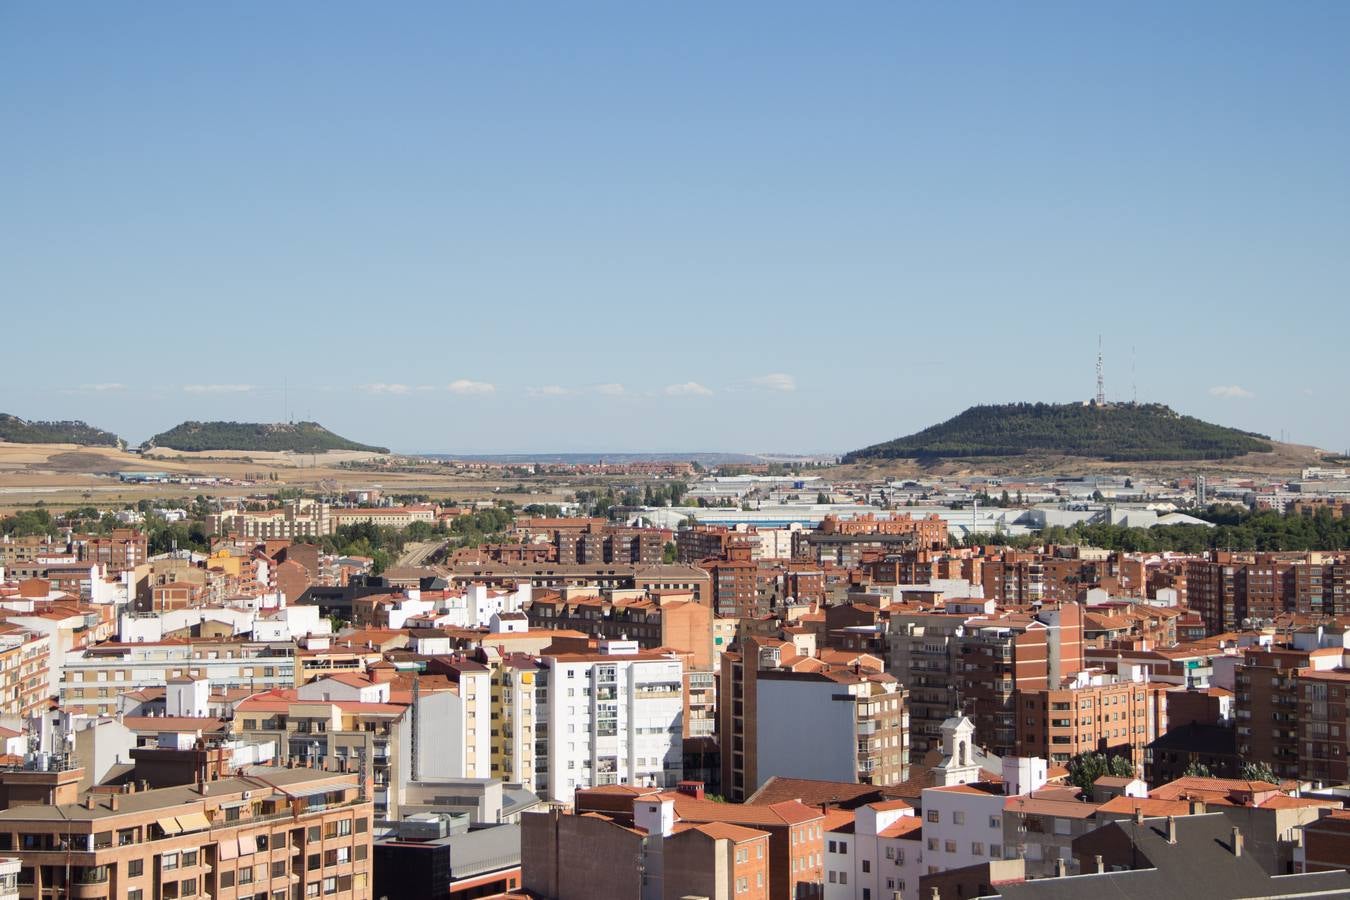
(669, 552)
(1259, 771)
(1197, 769)
(1086, 768)
(822, 498)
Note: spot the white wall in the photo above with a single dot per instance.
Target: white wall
(803, 733)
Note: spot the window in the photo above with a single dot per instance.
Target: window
(932, 844)
(227, 879)
(279, 869)
(833, 877)
(995, 822)
(313, 832)
(135, 894)
(330, 885)
(313, 862)
(843, 878)
(949, 846)
(188, 888)
(189, 857)
(867, 865)
(135, 867)
(977, 848)
(246, 875)
(933, 815)
(958, 818)
(996, 851)
(168, 861)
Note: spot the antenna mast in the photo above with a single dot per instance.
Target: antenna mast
(1101, 385)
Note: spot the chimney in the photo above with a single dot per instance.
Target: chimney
(1197, 807)
(114, 802)
(937, 895)
(1139, 815)
(1060, 869)
(1101, 866)
(91, 802)
(1237, 841)
(1171, 829)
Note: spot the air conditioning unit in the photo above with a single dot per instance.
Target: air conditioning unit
(247, 795)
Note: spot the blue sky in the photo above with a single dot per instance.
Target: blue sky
(631, 226)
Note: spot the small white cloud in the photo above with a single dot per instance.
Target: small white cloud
(613, 389)
(550, 390)
(104, 386)
(775, 381)
(217, 388)
(1231, 392)
(688, 389)
(465, 386)
(380, 387)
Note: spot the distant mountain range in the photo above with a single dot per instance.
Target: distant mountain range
(296, 437)
(20, 431)
(1126, 432)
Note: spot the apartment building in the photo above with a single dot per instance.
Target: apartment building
(924, 653)
(294, 519)
(382, 516)
(94, 677)
(267, 832)
(614, 716)
(793, 862)
(1232, 587)
(668, 619)
(771, 699)
(1098, 715)
(600, 576)
(838, 723)
(873, 851)
(1001, 654)
(1266, 705)
(735, 590)
(1324, 725)
(25, 665)
(1322, 586)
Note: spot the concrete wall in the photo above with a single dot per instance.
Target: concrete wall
(802, 732)
(566, 857)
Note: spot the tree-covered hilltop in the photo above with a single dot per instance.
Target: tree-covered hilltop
(1116, 432)
(19, 431)
(297, 437)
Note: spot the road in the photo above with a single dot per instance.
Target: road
(418, 552)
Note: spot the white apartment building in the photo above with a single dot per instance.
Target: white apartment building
(876, 855)
(92, 678)
(615, 716)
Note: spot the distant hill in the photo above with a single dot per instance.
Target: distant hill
(297, 437)
(1121, 432)
(19, 431)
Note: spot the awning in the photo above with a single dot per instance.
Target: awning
(169, 825)
(248, 845)
(315, 790)
(194, 821)
(228, 849)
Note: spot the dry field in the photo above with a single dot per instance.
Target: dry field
(61, 476)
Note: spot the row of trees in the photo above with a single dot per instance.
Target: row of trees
(1086, 768)
(1235, 528)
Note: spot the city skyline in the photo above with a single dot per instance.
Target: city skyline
(696, 229)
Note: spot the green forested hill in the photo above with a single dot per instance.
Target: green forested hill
(19, 431)
(1121, 432)
(298, 437)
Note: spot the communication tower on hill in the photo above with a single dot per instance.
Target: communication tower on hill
(1101, 383)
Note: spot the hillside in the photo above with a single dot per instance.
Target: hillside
(19, 431)
(1118, 433)
(294, 437)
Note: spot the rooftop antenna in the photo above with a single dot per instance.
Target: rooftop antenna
(1101, 385)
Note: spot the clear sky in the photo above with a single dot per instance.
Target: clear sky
(639, 226)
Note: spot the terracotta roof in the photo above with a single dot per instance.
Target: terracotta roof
(737, 834)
